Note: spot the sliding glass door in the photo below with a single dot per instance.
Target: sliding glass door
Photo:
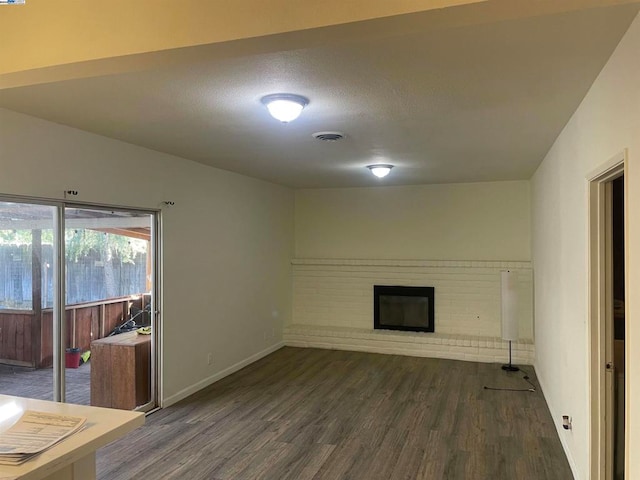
(109, 295)
(77, 303)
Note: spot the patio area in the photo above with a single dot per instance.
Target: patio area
(25, 382)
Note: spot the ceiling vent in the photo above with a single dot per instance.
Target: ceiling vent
(328, 136)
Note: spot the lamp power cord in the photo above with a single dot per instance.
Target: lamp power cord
(526, 378)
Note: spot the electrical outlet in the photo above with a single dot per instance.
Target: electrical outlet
(209, 358)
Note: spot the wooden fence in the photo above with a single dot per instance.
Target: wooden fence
(85, 278)
(26, 339)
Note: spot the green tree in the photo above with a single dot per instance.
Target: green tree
(23, 237)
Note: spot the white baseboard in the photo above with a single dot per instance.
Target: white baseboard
(453, 347)
(184, 393)
(561, 431)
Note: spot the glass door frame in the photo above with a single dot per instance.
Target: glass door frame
(59, 297)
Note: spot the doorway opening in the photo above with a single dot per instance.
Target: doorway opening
(607, 276)
(78, 288)
(619, 324)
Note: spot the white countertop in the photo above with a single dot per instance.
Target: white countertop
(103, 426)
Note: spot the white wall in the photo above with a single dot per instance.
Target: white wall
(456, 238)
(474, 221)
(607, 121)
(228, 240)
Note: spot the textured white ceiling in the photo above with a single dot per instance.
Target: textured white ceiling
(461, 104)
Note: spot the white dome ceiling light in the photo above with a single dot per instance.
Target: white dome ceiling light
(380, 170)
(285, 107)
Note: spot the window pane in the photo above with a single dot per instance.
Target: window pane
(108, 284)
(26, 330)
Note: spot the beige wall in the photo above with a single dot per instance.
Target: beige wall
(454, 237)
(607, 122)
(228, 240)
(475, 221)
(43, 33)
(46, 33)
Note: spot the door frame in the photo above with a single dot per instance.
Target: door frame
(59, 304)
(599, 294)
(156, 258)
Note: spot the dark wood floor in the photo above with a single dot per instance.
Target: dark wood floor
(38, 384)
(326, 415)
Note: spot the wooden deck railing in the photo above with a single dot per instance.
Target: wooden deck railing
(84, 323)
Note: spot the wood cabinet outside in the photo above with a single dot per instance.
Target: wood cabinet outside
(121, 371)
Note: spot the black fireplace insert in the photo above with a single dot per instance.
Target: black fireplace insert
(403, 308)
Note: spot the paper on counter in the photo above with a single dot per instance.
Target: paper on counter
(33, 433)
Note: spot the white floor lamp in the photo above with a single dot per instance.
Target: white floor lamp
(509, 303)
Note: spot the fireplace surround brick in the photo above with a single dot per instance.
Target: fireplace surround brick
(333, 306)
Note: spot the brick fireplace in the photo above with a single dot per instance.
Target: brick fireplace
(333, 307)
